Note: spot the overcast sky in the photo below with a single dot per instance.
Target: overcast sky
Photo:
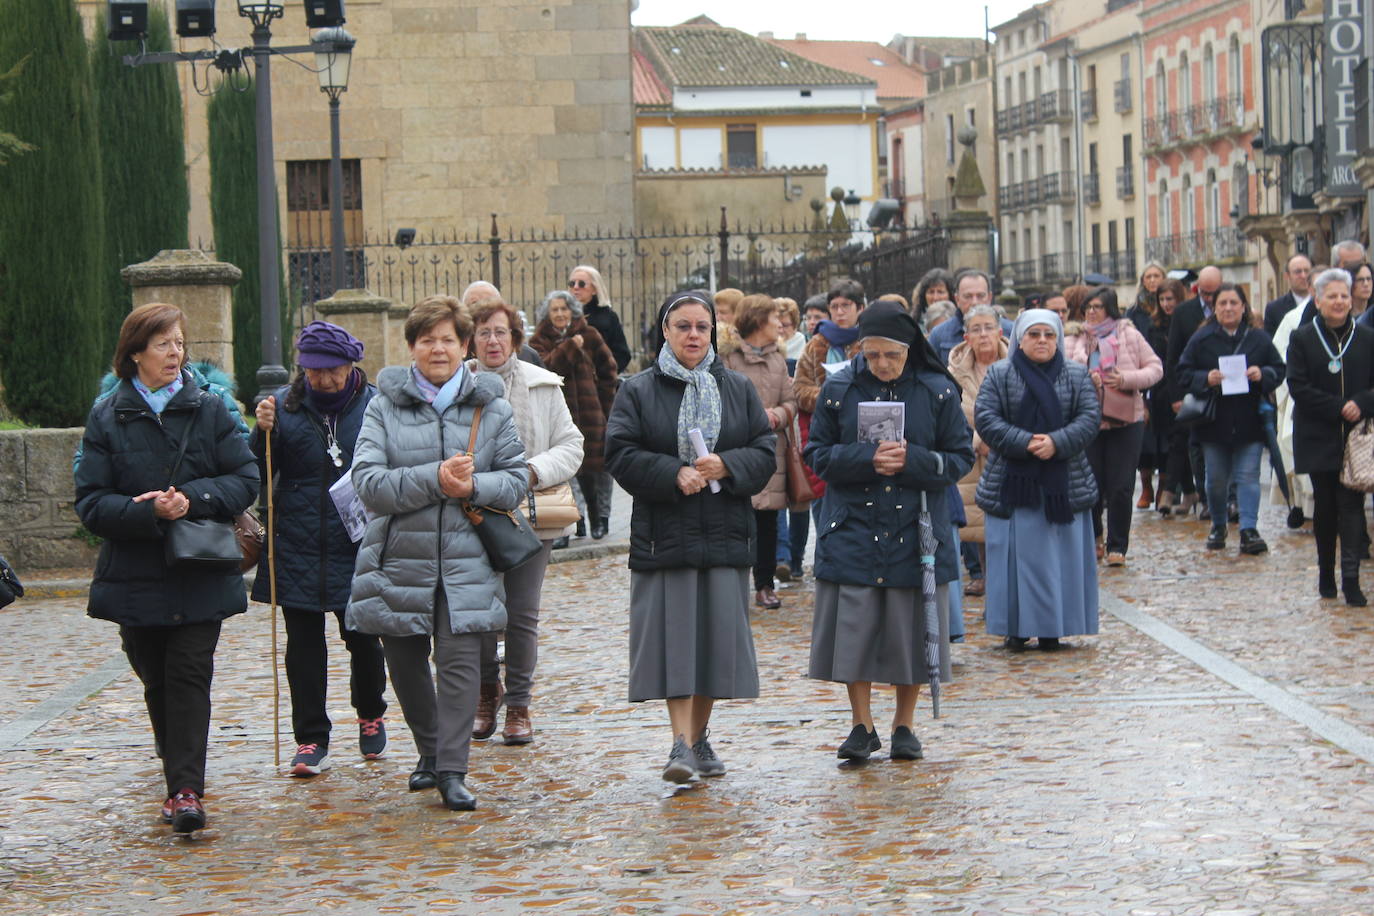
(854, 20)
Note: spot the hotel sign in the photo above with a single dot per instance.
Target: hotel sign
(1343, 29)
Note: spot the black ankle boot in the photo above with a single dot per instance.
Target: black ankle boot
(1353, 596)
(600, 527)
(455, 793)
(1326, 583)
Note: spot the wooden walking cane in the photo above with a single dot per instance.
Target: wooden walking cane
(272, 595)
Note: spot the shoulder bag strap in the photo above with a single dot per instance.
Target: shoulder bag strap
(181, 451)
(472, 439)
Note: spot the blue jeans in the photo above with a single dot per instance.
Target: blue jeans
(1237, 463)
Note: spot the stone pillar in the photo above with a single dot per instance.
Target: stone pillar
(367, 317)
(199, 286)
(398, 351)
(969, 226)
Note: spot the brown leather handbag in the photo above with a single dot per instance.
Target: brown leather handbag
(798, 486)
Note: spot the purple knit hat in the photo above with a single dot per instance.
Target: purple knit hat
(321, 345)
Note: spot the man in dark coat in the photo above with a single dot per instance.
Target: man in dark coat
(1299, 274)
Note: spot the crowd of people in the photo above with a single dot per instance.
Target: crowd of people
(1019, 442)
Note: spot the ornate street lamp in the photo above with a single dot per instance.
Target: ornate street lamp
(333, 58)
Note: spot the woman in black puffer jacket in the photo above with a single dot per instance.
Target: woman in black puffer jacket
(314, 424)
(691, 549)
(131, 487)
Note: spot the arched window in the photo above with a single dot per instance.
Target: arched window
(1209, 75)
(1185, 206)
(1235, 84)
(1161, 91)
(1166, 223)
(1213, 200)
(1185, 83)
(1240, 189)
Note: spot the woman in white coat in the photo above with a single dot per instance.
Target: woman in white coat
(553, 453)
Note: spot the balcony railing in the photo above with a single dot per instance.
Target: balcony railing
(1056, 186)
(895, 188)
(1056, 105)
(1022, 272)
(1088, 103)
(1119, 265)
(1220, 244)
(1220, 115)
(1125, 182)
(1122, 96)
(1059, 268)
(1091, 193)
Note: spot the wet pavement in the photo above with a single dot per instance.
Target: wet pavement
(1118, 776)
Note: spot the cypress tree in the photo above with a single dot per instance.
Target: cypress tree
(234, 216)
(143, 160)
(52, 238)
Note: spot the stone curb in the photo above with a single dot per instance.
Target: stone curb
(79, 588)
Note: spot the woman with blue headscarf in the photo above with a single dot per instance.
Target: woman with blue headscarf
(692, 532)
(1038, 413)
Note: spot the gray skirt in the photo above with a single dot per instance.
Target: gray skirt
(689, 635)
(869, 633)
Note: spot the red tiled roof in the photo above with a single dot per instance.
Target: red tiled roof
(649, 89)
(896, 78)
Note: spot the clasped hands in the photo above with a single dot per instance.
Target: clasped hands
(694, 477)
(1252, 373)
(167, 504)
(890, 458)
(1041, 446)
(455, 476)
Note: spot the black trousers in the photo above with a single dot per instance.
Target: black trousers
(176, 665)
(766, 556)
(307, 668)
(1113, 456)
(1179, 467)
(1337, 511)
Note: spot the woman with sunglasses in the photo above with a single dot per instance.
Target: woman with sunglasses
(589, 289)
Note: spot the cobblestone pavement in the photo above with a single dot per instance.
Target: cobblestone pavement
(1119, 776)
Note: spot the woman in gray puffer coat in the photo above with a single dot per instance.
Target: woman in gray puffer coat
(1038, 413)
(422, 572)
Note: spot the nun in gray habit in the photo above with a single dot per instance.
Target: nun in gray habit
(869, 620)
(692, 537)
(1038, 413)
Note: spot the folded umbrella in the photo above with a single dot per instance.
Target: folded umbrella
(926, 537)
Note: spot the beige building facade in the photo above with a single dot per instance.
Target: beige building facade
(958, 94)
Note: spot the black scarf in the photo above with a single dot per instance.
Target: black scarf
(1030, 480)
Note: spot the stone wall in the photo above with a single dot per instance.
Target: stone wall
(38, 526)
(693, 197)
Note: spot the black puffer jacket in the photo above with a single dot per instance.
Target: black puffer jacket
(1319, 431)
(667, 529)
(1237, 419)
(314, 556)
(128, 450)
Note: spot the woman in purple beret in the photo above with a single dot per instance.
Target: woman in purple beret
(314, 425)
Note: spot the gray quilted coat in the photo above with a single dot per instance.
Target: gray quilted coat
(419, 537)
(998, 401)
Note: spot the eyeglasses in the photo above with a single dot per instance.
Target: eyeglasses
(578, 284)
(489, 333)
(1037, 334)
(1094, 307)
(980, 331)
(686, 327)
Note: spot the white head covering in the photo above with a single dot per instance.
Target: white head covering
(1029, 319)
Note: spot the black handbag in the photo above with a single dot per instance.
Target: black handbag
(1197, 410)
(506, 536)
(10, 588)
(207, 544)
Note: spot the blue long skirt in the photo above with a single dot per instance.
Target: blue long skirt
(1041, 577)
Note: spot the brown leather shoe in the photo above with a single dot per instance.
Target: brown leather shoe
(484, 723)
(767, 598)
(518, 729)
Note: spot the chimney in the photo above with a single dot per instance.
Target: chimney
(801, 36)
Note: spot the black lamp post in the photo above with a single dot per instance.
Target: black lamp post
(332, 62)
(128, 21)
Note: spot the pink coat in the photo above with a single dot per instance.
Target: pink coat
(1136, 360)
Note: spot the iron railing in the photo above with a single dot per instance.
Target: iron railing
(641, 267)
(1087, 101)
(1225, 114)
(1122, 96)
(1125, 182)
(1091, 193)
(1119, 265)
(1021, 272)
(1190, 248)
(1059, 268)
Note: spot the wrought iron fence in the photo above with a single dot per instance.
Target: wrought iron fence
(640, 267)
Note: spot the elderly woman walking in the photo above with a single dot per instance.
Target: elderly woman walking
(575, 350)
(869, 622)
(553, 451)
(423, 576)
(759, 360)
(313, 426)
(1038, 413)
(692, 535)
(1331, 381)
(160, 450)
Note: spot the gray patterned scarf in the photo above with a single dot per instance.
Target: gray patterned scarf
(700, 401)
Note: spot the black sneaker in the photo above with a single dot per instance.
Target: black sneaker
(1015, 643)
(708, 764)
(310, 760)
(682, 764)
(372, 737)
(1251, 542)
(859, 745)
(905, 745)
(1216, 539)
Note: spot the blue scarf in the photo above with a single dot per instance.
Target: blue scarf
(700, 402)
(837, 336)
(1030, 480)
(157, 400)
(441, 396)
